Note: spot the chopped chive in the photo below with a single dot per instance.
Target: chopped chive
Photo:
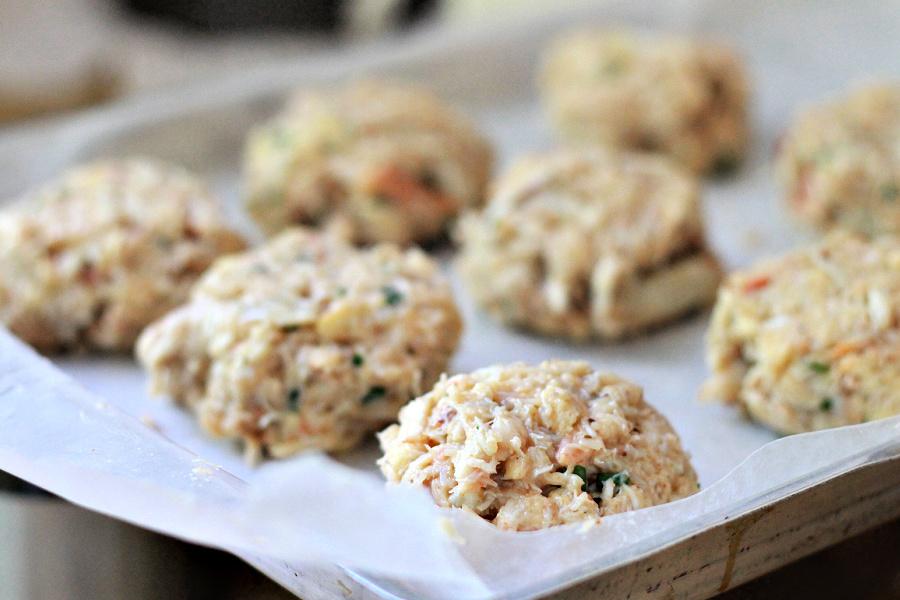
(429, 180)
(282, 138)
(819, 367)
(618, 479)
(358, 360)
(294, 399)
(290, 328)
(581, 472)
(826, 405)
(822, 155)
(273, 197)
(340, 292)
(725, 165)
(376, 392)
(613, 68)
(391, 296)
(890, 192)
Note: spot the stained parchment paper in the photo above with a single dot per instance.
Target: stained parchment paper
(84, 428)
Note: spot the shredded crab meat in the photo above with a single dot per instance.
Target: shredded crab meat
(818, 345)
(305, 342)
(529, 447)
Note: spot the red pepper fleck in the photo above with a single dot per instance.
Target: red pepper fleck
(89, 275)
(756, 284)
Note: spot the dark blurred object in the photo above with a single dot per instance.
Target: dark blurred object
(11, 484)
(296, 15)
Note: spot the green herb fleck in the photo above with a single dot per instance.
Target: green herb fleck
(725, 165)
(698, 485)
(376, 392)
(358, 360)
(890, 192)
(826, 405)
(618, 479)
(595, 487)
(294, 399)
(819, 367)
(340, 292)
(282, 138)
(273, 197)
(429, 180)
(581, 472)
(290, 328)
(261, 269)
(822, 155)
(613, 68)
(391, 296)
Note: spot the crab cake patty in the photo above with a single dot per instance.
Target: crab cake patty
(89, 259)
(306, 342)
(381, 162)
(589, 243)
(683, 98)
(811, 340)
(530, 447)
(840, 162)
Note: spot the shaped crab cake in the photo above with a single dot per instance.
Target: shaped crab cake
(381, 162)
(811, 340)
(88, 260)
(599, 243)
(531, 447)
(305, 342)
(840, 162)
(676, 96)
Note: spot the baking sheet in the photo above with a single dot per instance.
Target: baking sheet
(90, 446)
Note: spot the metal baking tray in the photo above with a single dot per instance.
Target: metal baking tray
(765, 502)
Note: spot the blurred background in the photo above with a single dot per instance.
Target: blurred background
(59, 56)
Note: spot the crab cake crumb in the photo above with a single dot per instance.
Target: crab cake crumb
(305, 342)
(840, 162)
(88, 260)
(529, 447)
(811, 340)
(380, 162)
(676, 96)
(589, 243)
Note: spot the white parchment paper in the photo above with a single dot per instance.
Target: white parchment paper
(75, 427)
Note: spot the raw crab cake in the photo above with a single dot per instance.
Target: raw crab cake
(381, 162)
(598, 243)
(532, 447)
(676, 96)
(811, 340)
(306, 342)
(89, 259)
(840, 162)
